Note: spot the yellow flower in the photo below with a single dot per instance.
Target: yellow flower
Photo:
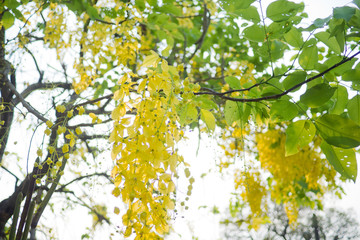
(39, 152)
(49, 124)
(65, 148)
(60, 108)
(47, 131)
(70, 113)
(81, 110)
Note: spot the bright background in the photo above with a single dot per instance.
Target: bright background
(212, 190)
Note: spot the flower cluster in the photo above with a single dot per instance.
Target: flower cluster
(296, 179)
(144, 149)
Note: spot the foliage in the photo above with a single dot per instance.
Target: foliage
(140, 73)
(330, 223)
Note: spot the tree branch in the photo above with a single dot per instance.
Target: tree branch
(24, 103)
(99, 111)
(276, 96)
(88, 124)
(85, 137)
(41, 86)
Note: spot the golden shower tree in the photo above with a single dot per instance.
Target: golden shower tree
(84, 76)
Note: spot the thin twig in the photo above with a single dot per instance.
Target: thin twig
(94, 100)
(8, 171)
(82, 177)
(41, 73)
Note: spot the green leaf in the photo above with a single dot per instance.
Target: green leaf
(269, 91)
(171, 8)
(352, 75)
(317, 95)
(276, 30)
(170, 26)
(298, 135)
(277, 49)
(18, 15)
(236, 112)
(343, 12)
(340, 70)
(308, 57)
(205, 103)
(109, 12)
(294, 38)
(176, 34)
(140, 4)
(232, 112)
(355, 21)
(318, 23)
(340, 99)
(254, 33)
(246, 112)
(353, 108)
(343, 160)
(233, 5)
(250, 14)
(208, 118)
(170, 44)
(293, 79)
(161, 34)
(188, 114)
(12, 4)
(92, 12)
(331, 42)
(7, 20)
(340, 38)
(282, 10)
(152, 3)
(338, 131)
(233, 82)
(278, 107)
(101, 88)
(321, 22)
(357, 3)
(76, 6)
(336, 26)
(151, 59)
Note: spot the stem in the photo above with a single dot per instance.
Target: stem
(28, 220)
(44, 203)
(15, 216)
